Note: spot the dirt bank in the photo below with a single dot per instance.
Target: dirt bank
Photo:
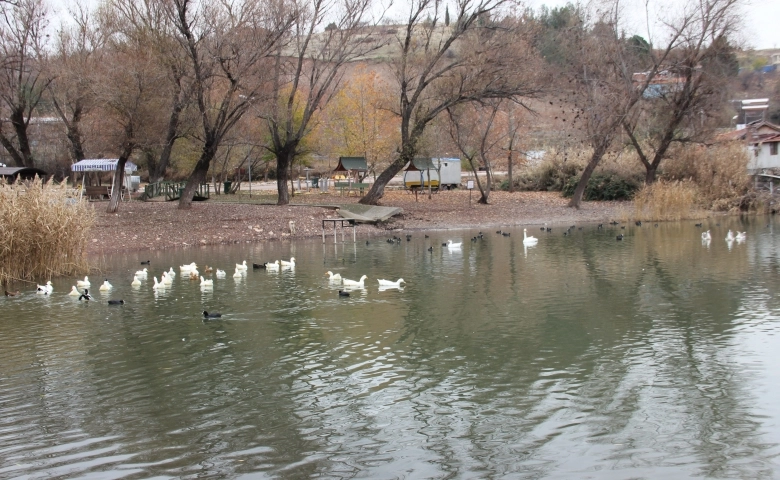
(160, 225)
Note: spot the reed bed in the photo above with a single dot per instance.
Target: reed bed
(44, 231)
(661, 201)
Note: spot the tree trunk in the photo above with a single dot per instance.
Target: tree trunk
(119, 178)
(650, 174)
(20, 127)
(283, 163)
(598, 152)
(377, 190)
(198, 175)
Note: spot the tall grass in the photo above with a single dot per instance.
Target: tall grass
(44, 232)
(666, 201)
(720, 172)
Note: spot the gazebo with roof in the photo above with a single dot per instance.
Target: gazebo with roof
(100, 165)
(353, 166)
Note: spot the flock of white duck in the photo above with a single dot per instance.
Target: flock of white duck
(191, 271)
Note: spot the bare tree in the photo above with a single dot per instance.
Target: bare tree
(227, 47)
(148, 21)
(478, 57)
(696, 74)
(307, 72)
(22, 82)
(479, 137)
(71, 91)
(610, 91)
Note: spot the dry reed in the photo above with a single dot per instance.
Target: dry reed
(44, 231)
(666, 201)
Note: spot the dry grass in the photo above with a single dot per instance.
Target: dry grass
(720, 172)
(44, 231)
(666, 201)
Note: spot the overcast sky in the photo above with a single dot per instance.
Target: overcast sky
(761, 18)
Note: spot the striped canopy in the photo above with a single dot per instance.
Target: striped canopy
(101, 165)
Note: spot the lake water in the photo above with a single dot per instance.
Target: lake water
(581, 357)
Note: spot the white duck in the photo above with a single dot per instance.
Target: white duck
(241, 266)
(141, 273)
(106, 286)
(450, 244)
(238, 273)
(187, 268)
(272, 266)
(206, 283)
(333, 277)
(157, 285)
(730, 236)
(529, 240)
(74, 292)
(83, 283)
(353, 283)
(740, 237)
(391, 284)
(705, 236)
(135, 282)
(221, 273)
(166, 280)
(288, 264)
(45, 289)
(171, 273)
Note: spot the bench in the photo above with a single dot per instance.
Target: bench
(354, 186)
(97, 191)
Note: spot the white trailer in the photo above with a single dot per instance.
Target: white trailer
(444, 173)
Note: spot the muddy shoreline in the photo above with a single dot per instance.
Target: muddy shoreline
(140, 226)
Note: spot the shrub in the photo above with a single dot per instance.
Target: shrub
(604, 186)
(44, 231)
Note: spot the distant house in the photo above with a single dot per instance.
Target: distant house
(662, 83)
(774, 58)
(763, 143)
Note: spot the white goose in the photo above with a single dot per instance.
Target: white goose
(705, 236)
(141, 273)
(529, 240)
(171, 273)
(740, 237)
(157, 285)
(241, 266)
(730, 236)
(450, 244)
(106, 286)
(272, 266)
(391, 284)
(238, 273)
(45, 289)
(206, 283)
(353, 283)
(166, 280)
(74, 292)
(83, 283)
(333, 277)
(135, 282)
(221, 273)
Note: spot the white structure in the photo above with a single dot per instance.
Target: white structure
(103, 165)
(764, 154)
(444, 173)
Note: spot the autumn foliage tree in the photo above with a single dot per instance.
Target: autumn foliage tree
(357, 121)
